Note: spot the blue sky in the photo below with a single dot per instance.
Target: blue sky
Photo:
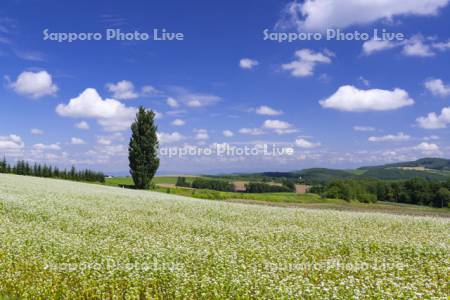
(328, 103)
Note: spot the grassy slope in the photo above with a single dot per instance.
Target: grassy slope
(126, 180)
(63, 239)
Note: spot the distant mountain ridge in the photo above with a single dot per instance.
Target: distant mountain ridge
(440, 164)
(427, 168)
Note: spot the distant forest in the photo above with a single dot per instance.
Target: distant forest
(22, 167)
(418, 191)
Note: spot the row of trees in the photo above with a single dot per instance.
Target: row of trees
(211, 184)
(225, 186)
(22, 167)
(259, 187)
(414, 191)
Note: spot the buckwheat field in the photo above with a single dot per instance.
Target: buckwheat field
(66, 240)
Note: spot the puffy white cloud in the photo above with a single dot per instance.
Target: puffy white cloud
(247, 63)
(34, 84)
(43, 147)
(201, 134)
(82, 125)
(103, 140)
(280, 127)
(192, 99)
(149, 90)
(200, 100)
(251, 131)
(108, 140)
(431, 138)
(306, 61)
(122, 90)
(400, 137)
(36, 131)
(319, 15)
(305, 144)
(417, 47)
(178, 122)
(363, 128)
(172, 102)
(11, 143)
(437, 87)
(111, 114)
(169, 138)
(268, 111)
(349, 98)
(427, 147)
(227, 133)
(372, 46)
(442, 46)
(276, 124)
(434, 121)
(77, 141)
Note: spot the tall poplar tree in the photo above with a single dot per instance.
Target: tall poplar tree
(143, 149)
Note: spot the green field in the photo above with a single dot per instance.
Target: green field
(69, 240)
(217, 195)
(287, 199)
(126, 180)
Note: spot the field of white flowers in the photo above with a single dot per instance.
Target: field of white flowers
(61, 239)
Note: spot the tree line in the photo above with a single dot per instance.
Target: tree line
(210, 184)
(23, 167)
(225, 186)
(417, 191)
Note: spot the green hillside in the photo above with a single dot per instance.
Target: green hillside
(440, 164)
(427, 168)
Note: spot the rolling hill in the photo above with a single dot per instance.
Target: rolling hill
(427, 168)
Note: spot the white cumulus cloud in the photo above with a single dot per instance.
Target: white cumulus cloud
(400, 137)
(416, 46)
(169, 138)
(372, 46)
(201, 134)
(251, 131)
(319, 15)
(280, 127)
(77, 141)
(43, 147)
(248, 63)
(437, 87)
(268, 111)
(11, 143)
(172, 102)
(435, 121)
(227, 133)
(122, 90)
(306, 61)
(111, 114)
(427, 147)
(352, 99)
(178, 122)
(34, 84)
(82, 125)
(305, 144)
(36, 131)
